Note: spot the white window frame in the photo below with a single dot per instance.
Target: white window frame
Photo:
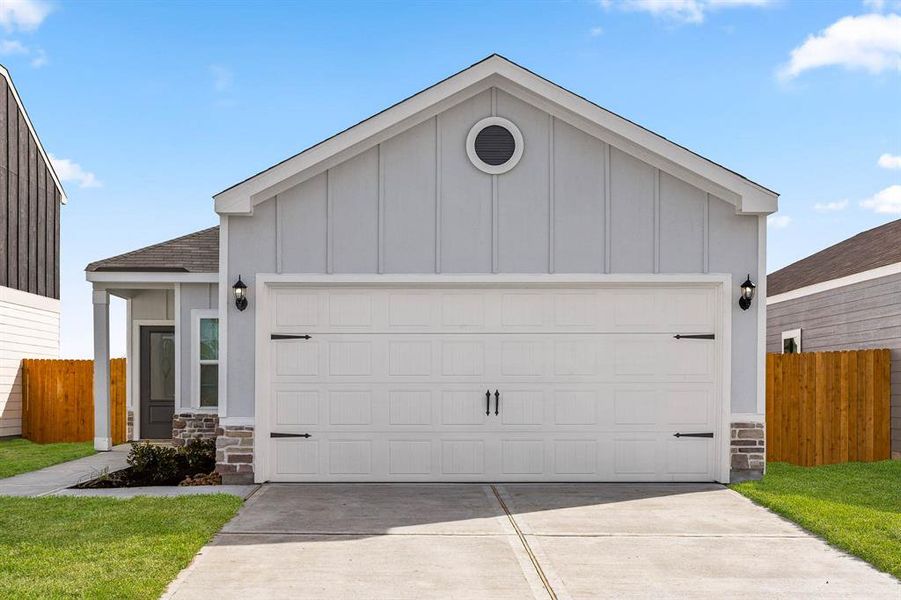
(196, 315)
(792, 333)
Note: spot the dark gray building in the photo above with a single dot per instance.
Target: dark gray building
(845, 297)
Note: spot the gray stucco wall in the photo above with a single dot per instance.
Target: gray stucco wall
(862, 315)
(415, 204)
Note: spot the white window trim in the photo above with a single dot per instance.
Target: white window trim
(791, 333)
(196, 315)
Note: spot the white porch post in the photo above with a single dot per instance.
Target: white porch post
(102, 427)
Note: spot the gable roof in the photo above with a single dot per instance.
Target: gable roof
(871, 249)
(497, 71)
(196, 252)
(15, 94)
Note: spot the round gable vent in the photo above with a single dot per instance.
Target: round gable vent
(494, 145)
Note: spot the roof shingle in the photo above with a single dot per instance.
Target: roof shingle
(196, 252)
(871, 249)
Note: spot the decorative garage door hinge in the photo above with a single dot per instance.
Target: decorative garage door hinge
(288, 336)
(273, 434)
(695, 336)
(703, 435)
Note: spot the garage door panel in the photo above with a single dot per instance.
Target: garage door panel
(592, 384)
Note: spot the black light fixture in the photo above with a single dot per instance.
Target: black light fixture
(747, 293)
(240, 294)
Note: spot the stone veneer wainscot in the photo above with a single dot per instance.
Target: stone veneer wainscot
(748, 451)
(234, 454)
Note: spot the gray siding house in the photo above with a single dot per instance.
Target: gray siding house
(845, 297)
(31, 197)
(492, 280)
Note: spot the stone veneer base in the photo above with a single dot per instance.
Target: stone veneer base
(747, 451)
(234, 454)
(193, 425)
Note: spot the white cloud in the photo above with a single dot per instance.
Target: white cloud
(39, 58)
(68, 170)
(778, 221)
(881, 5)
(887, 202)
(835, 206)
(680, 11)
(10, 47)
(869, 42)
(23, 15)
(222, 77)
(595, 31)
(889, 161)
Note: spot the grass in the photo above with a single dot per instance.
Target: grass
(20, 456)
(853, 506)
(59, 547)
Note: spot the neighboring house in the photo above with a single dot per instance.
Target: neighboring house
(845, 297)
(30, 200)
(494, 279)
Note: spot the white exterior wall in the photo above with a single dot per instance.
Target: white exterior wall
(29, 328)
(415, 204)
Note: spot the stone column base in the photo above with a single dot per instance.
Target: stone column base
(193, 425)
(129, 426)
(748, 451)
(234, 454)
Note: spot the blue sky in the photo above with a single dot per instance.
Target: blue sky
(149, 109)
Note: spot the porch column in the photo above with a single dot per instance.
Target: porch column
(102, 427)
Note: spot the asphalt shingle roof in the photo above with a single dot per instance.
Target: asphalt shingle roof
(871, 249)
(196, 252)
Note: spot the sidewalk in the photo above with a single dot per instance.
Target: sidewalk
(58, 477)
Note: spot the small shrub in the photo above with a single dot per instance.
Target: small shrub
(155, 464)
(209, 479)
(200, 456)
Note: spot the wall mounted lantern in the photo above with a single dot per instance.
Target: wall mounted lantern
(240, 294)
(747, 293)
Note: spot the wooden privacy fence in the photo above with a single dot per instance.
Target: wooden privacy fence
(59, 400)
(828, 407)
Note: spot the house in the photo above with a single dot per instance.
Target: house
(30, 200)
(843, 298)
(492, 280)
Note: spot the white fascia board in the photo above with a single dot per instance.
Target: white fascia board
(139, 277)
(9, 80)
(825, 286)
(748, 197)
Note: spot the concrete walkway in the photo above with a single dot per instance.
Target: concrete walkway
(505, 541)
(58, 477)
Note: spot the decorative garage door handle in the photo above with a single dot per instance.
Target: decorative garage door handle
(288, 336)
(288, 435)
(497, 401)
(695, 336)
(701, 435)
(487, 402)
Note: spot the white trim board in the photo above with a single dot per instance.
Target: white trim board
(12, 296)
(496, 71)
(144, 277)
(825, 286)
(264, 281)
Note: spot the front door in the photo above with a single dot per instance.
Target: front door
(157, 382)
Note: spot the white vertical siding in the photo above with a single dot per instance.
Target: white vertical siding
(29, 328)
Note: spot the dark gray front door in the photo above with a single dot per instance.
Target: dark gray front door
(157, 382)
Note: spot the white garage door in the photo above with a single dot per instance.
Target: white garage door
(476, 384)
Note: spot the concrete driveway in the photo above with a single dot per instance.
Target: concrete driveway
(518, 541)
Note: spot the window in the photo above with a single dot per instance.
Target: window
(205, 345)
(791, 341)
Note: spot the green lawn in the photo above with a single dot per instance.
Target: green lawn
(854, 506)
(20, 456)
(58, 547)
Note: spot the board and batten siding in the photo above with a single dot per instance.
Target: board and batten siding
(416, 204)
(858, 316)
(29, 328)
(29, 207)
